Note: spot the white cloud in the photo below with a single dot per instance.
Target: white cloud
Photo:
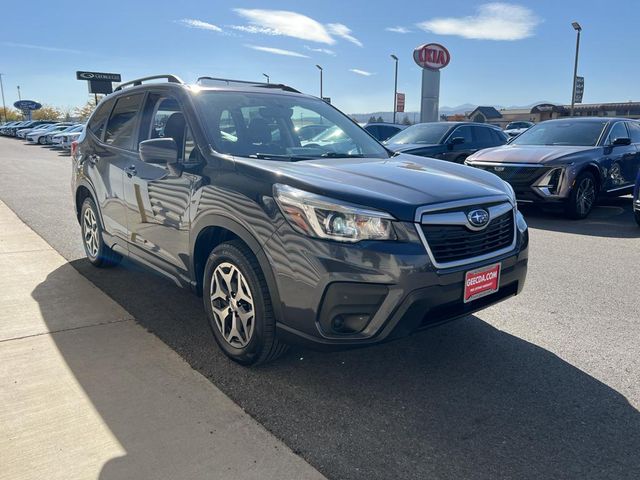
(364, 73)
(277, 51)
(40, 47)
(320, 50)
(287, 23)
(193, 23)
(398, 29)
(255, 29)
(493, 21)
(343, 31)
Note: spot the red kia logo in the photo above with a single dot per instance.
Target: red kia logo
(432, 55)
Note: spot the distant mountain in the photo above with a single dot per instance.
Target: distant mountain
(415, 116)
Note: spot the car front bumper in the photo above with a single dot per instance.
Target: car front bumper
(392, 288)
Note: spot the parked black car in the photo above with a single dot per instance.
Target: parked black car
(340, 245)
(383, 131)
(568, 162)
(453, 141)
(636, 200)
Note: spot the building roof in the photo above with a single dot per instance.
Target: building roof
(488, 112)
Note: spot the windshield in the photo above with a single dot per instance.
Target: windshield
(425, 133)
(262, 125)
(565, 132)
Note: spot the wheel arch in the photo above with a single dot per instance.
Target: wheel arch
(212, 230)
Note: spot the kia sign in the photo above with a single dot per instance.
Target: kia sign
(432, 56)
(27, 105)
(110, 77)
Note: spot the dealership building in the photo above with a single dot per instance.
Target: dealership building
(548, 111)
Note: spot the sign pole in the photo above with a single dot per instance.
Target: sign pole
(431, 58)
(578, 29)
(4, 106)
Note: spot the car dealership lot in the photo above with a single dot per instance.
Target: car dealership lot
(545, 385)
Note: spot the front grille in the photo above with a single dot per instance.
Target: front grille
(524, 175)
(451, 243)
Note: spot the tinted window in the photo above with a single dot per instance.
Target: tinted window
(634, 131)
(617, 131)
(424, 133)
(499, 137)
(465, 132)
(99, 118)
(120, 128)
(562, 132)
(483, 135)
(386, 131)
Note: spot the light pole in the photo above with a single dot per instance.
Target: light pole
(4, 106)
(576, 26)
(395, 88)
(320, 68)
(267, 77)
(19, 97)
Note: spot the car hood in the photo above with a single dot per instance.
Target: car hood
(407, 147)
(526, 153)
(396, 185)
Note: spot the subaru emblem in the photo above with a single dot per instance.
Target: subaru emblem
(478, 218)
(499, 169)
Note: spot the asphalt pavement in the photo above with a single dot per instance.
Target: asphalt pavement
(545, 385)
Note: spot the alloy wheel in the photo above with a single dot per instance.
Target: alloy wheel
(90, 232)
(585, 195)
(232, 305)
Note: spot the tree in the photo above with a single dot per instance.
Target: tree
(47, 112)
(405, 120)
(83, 113)
(372, 119)
(12, 114)
(380, 120)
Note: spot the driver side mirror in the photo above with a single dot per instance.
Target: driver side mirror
(159, 151)
(621, 141)
(455, 141)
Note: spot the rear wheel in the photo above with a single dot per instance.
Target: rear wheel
(42, 140)
(98, 253)
(238, 305)
(583, 196)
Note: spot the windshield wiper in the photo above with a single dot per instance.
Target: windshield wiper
(273, 156)
(341, 155)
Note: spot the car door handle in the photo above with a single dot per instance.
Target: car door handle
(131, 171)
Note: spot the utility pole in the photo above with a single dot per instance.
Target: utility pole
(4, 106)
(267, 77)
(395, 89)
(576, 26)
(320, 68)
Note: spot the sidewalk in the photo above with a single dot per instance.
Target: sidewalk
(86, 393)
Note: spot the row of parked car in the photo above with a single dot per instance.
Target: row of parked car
(567, 163)
(44, 132)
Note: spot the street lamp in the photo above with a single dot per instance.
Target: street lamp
(4, 106)
(320, 68)
(19, 97)
(576, 26)
(267, 77)
(395, 88)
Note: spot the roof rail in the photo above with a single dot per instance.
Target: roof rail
(138, 81)
(229, 81)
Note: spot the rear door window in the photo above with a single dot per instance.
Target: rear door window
(99, 119)
(464, 132)
(120, 130)
(483, 136)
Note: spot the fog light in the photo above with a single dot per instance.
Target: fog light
(351, 323)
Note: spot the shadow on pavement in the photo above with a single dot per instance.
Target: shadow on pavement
(464, 400)
(611, 217)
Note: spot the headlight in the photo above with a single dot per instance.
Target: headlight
(322, 217)
(512, 193)
(551, 182)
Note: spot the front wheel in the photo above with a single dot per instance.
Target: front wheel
(98, 253)
(583, 196)
(42, 140)
(238, 305)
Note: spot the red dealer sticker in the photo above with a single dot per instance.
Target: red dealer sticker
(481, 282)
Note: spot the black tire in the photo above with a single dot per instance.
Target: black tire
(262, 344)
(583, 196)
(42, 140)
(99, 254)
(637, 215)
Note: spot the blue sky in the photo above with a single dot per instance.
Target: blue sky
(507, 53)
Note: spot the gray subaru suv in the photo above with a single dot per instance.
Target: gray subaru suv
(336, 243)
